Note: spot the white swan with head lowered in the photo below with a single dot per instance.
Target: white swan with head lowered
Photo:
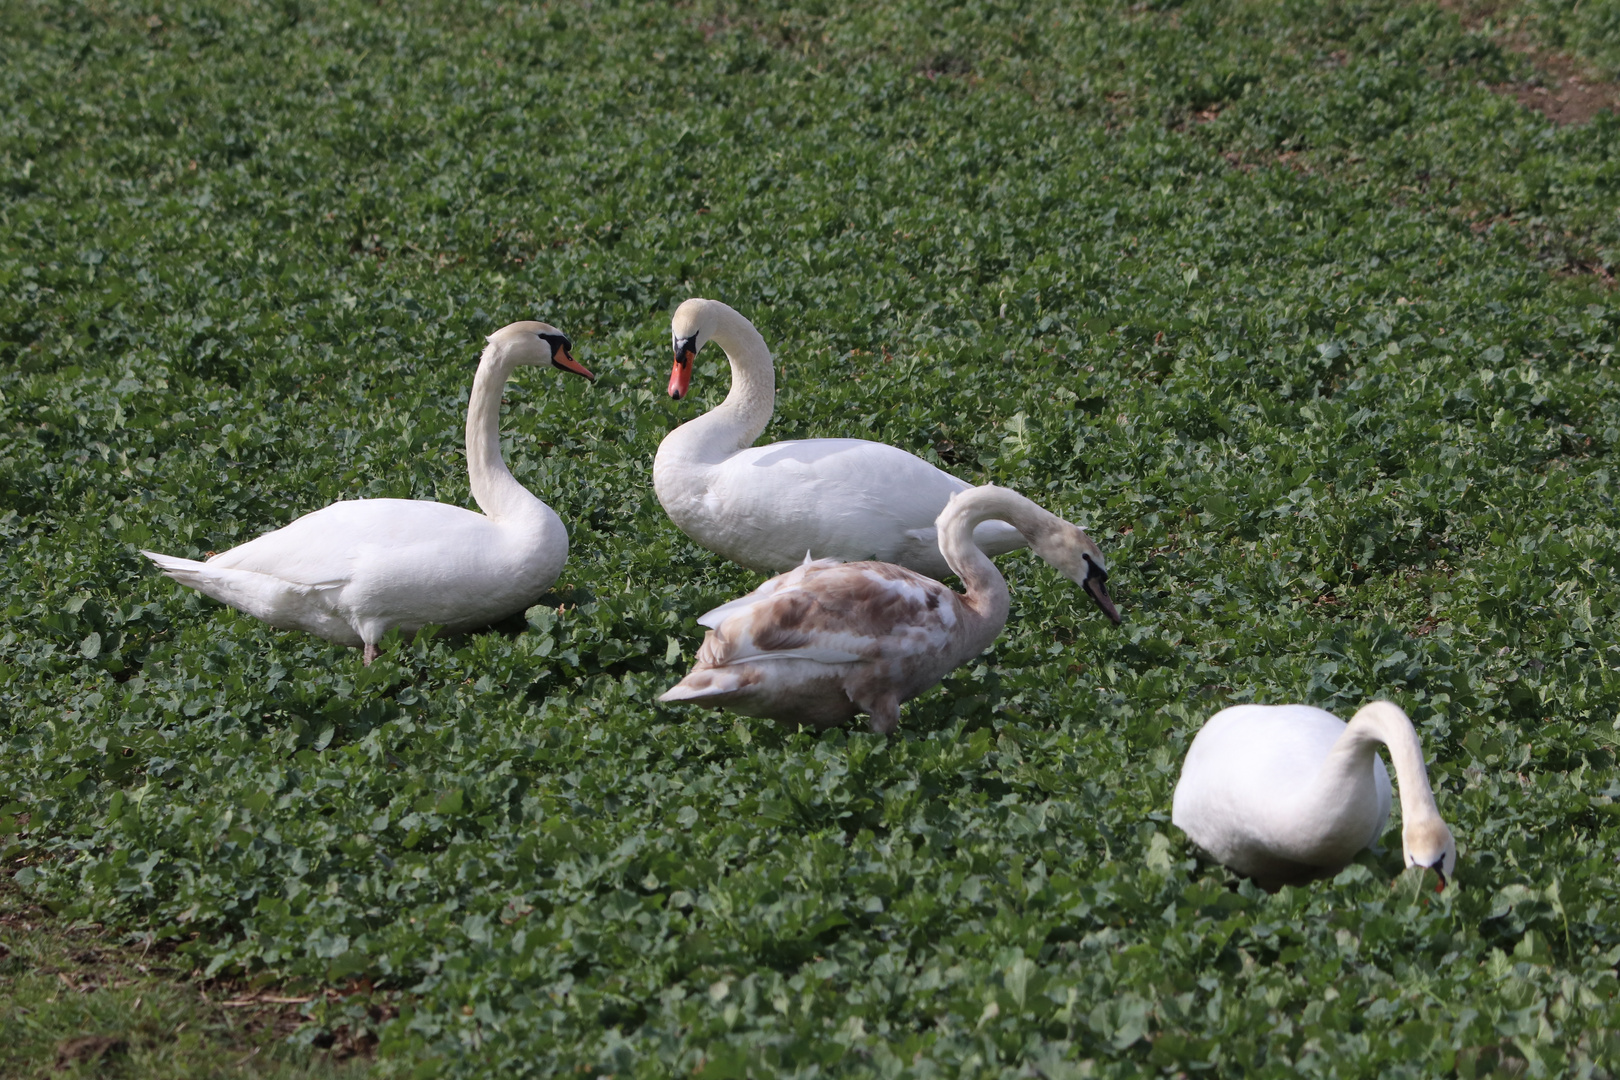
(829, 640)
(354, 570)
(766, 506)
(1287, 793)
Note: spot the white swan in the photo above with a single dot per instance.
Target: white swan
(356, 569)
(828, 640)
(1287, 793)
(765, 506)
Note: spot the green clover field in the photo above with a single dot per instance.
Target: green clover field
(1313, 330)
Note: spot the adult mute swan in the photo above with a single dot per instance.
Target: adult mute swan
(1287, 793)
(828, 640)
(766, 506)
(356, 569)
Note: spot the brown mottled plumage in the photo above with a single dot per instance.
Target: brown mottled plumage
(828, 640)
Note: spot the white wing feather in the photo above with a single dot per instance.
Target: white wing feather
(846, 499)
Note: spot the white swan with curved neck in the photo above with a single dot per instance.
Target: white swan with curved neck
(766, 506)
(829, 640)
(352, 571)
(1287, 793)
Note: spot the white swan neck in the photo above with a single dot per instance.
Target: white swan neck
(1383, 722)
(1348, 767)
(737, 421)
(494, 488)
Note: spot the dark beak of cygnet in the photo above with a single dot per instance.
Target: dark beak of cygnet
(1096, 584)
(680, 376)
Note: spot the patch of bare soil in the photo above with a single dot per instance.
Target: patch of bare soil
(1560, 93)
(88, 1048)
(1562, 89)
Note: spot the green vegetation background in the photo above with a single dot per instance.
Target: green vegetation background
(1280, 300)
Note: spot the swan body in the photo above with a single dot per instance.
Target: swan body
(1288, 793)
(352, 571)
(766, 506)
(828, 640)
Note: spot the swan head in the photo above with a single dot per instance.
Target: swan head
(691, 328)
(1078, 558)
(1428, 843)
(538, 344)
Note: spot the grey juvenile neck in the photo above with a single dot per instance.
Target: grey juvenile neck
(986, 593)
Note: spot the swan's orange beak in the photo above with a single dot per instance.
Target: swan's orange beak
(560, 358)
(680, 376)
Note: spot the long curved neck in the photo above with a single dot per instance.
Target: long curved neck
(1350, 761)
(1389, 725)
(494, 488)
(986, 589)
(737, 421)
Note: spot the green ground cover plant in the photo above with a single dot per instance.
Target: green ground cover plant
(1303, 322)
(1588, 28)
(74, 1003)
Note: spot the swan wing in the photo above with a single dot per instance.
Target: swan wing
(846, 499)
(715, 616)
(333, 545)
(1252, 758)
(836, 613)
(867, 493)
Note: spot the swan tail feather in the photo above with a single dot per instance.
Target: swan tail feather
(173, 564)
(195, 574)
(209, 580)
(264, 596)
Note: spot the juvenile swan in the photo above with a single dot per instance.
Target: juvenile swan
(354, 570)
(1287, 793)
(766, 506)
(829, 640)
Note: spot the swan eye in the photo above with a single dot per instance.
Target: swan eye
(1095, 571)
(557, 343)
